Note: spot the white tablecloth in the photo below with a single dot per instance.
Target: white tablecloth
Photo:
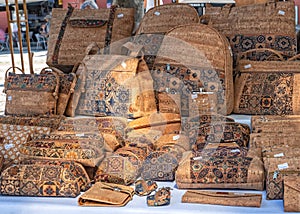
(36, 205)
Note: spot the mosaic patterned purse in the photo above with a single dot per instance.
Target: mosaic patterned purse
(256, 26)
(162, 197)
(42, 180)
(116, 169)
(268, 87)
(220, 172)
(116, 85)
(79, 174)
(106, 194)
(159, 166)
(31, 94)
(143, 188)
(227, 132)
(190, 125)
(176, 82)
(140, 140)
(72, 31)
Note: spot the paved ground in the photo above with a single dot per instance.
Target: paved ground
(39, 62)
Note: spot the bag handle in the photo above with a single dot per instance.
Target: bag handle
(55, 72)
(276, 53)
(14, 71)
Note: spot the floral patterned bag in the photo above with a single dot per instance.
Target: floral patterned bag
(51, 179)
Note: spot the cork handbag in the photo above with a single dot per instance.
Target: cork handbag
(269, 87)
(79, 173)
(31, 94)
(1, 156)
(220, 172)
(115, 85)
(280, 151)
(111, 128)
(108, 125)
(276, 124)
(72, 31)
(256, 26)
(201, 62)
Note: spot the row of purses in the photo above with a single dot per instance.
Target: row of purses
(111, 132)
(278, 140)
(147, 149)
